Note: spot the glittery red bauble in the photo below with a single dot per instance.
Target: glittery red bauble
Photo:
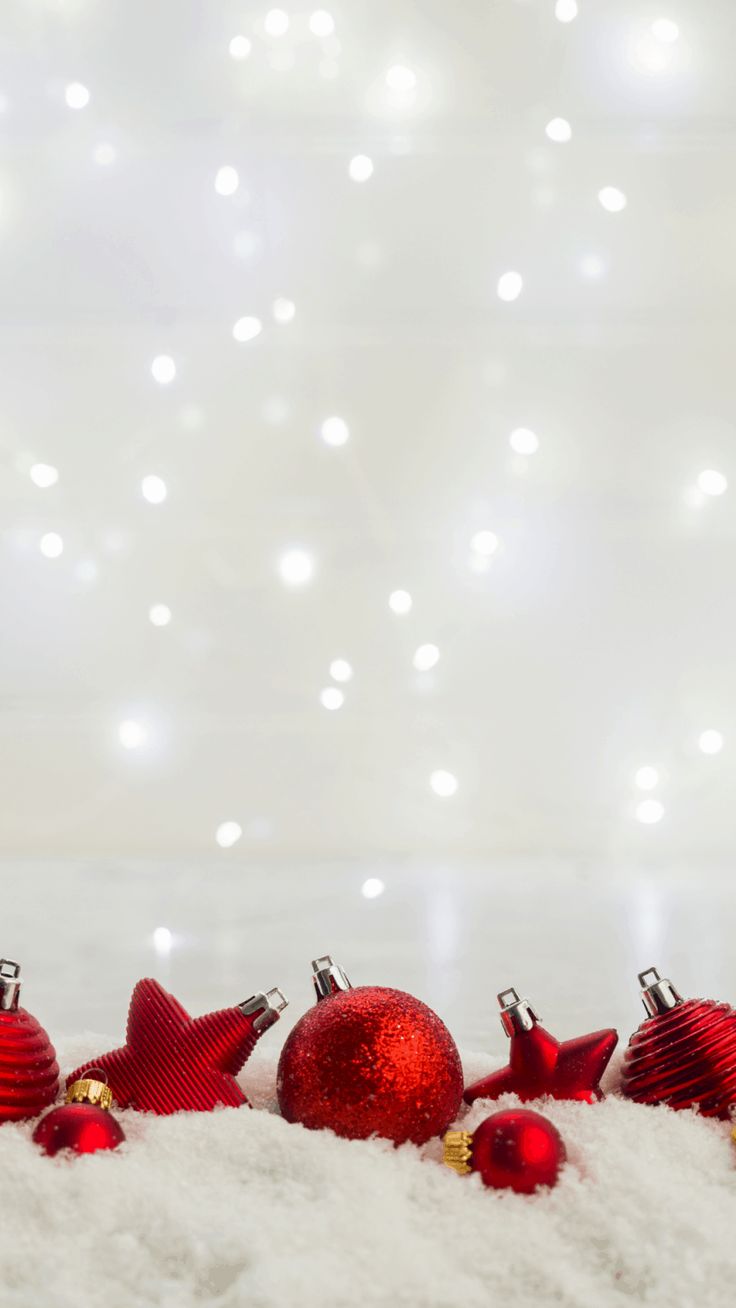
(85, 1128)
(371, 1061)
(517, 1150)
(684, 1056)
(29, 1074)
(172, 1062)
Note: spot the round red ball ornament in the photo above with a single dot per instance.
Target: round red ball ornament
(84, 1123)
(369, 1061)
(684, 1052)
(515, 1149)
(29, 1073)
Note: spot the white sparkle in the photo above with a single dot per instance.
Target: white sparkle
(612, 199)
(558, 130)
(44, 475)
(247, 328)
(331, 698)
(646, 778)
(509, 286)
(132, 734)
(341, 670)
(524, 441)
(372, 887)
(226, 180)
(649, 811)
(239, 47)
(711, 482)
(159, 615)
(163, 941)
(443, 783)
(710, 741)
(334, 431)
(426, 657)
(321, 23)
(163, 369)
(276, 22)
(400, 602)
(566, 10)
(360, 167)
(153, 489)
(283, 310)
(51, 545)
(76, 95)
(484, 543)
(296, 567)
(228, 834)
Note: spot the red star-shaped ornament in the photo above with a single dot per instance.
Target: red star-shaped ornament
(172, 1062)
(539, 1064)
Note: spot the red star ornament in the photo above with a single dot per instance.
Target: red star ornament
(539, 1064)
(172, 1062)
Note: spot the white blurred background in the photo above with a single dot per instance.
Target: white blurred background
(366, 430)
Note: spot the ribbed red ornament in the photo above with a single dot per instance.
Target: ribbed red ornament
(369, 1061)
(29, 1073)
(172, 1062)
(684, 1053)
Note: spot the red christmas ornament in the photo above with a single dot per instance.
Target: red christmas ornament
(172, 1062)
(513, 1150)
(29, 1073)
(684, 1053)
(84, 1123)
(539, 1064)
(369, 1061)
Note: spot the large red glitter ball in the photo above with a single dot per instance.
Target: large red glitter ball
(371, 1061)
(29, 1074)
(517, 1150)
(85, 1128)
(684, 1057)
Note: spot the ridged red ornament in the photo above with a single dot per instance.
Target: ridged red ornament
(29, 1073)
(173, 1062)
(540, 1065)
(369, 1061)
(684, 1053)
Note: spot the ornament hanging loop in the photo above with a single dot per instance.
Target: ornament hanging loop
(517, 1014)
(328, 977)
(658, 994)
(9, 985)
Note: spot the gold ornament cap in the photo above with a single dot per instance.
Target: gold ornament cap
(458, 1151)
(89, 1091)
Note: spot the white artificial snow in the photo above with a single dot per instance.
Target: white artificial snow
(237, 1209)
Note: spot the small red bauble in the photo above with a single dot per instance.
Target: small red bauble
(539, 1064)
(29, 1073)
(512, 1150)
(369, 1061)
(83, 1124)
(684, 1053)
(172, 1062)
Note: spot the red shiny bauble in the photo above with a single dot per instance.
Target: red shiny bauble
(85, 1128)
(517, 1150)
(371, 1061)
(29, 1073)
(683, 1054)
(172, 1062)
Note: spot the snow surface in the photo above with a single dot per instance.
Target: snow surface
(237, 1208)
